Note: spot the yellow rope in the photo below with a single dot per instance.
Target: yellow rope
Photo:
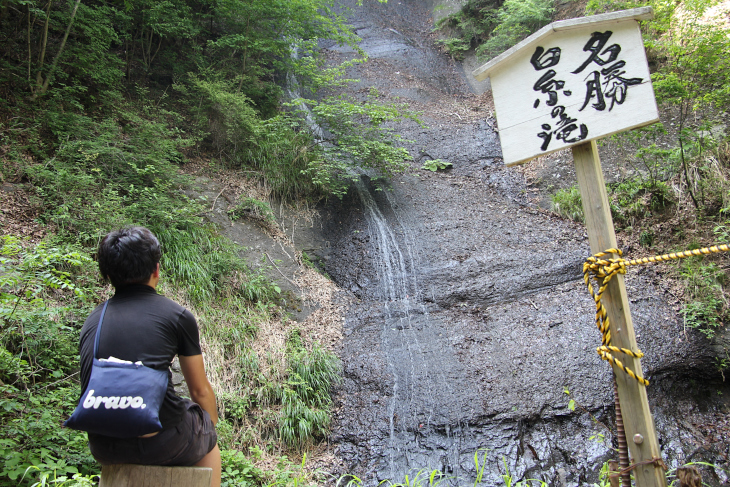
(603, 271)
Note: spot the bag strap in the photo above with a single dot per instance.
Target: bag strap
(98, 329)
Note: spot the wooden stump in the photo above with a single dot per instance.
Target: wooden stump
(153, 476)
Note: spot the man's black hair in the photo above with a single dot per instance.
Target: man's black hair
(129, 256)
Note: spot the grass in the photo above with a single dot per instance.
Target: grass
(567, 203)
(253, 208)
(706, 307)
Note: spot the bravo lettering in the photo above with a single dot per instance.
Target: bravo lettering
(113, 402)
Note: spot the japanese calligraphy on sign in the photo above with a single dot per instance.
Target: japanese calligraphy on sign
(571, 82)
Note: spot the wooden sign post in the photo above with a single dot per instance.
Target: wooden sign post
(568, 84)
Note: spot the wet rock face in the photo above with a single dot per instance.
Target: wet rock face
(466, 337)
(473, 318)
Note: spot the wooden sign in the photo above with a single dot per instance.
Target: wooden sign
(571, 82)
(564, 86)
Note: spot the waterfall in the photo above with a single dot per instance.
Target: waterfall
(408, 334)
(293, 90)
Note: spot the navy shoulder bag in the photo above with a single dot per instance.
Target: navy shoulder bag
(122, 400)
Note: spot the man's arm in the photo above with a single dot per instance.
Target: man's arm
(200, 389)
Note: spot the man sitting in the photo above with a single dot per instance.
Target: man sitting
(141, 325)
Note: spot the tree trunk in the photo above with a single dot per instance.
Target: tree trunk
(54, 64)
(44, 43)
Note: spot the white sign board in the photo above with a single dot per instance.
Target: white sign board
(571, 82)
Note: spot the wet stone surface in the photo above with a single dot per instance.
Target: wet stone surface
(472, 317)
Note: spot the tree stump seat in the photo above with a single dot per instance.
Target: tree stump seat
(154, 476)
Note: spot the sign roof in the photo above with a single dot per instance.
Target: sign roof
(641, 13)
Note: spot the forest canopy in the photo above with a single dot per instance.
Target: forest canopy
(210, 75)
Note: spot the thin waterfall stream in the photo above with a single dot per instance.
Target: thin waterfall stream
(406, 322)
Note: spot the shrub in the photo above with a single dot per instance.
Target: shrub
(516, 19)
(239, 471)
(43, 289)
(357, 135)
(283, 150)
(472, 25)
(567, 203)
(492, 27)
(306, 395)
(253, 208)
(705, 310)
(40, 288)
(636, 199)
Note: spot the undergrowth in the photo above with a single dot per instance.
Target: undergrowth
(116, 172)
(271, 401)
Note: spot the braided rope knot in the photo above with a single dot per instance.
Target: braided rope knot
(603, 270)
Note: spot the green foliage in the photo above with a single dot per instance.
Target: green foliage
(36, 337)
(264, 34)
(221, 60)
(291, 474)
(306, 395)
(471, 26)
(52, 477)
(43, 61)
(646, 238)
(101, 103)
(705, 310)
(436, 165)
(516, 19)
(226, 114)
(254, 209)
(630, 200)
(282, 151)
(693, 78)
(420, 478)
(695, 158)
(43, 288)
(238, 471)
(132, 166)
(705, 177)
(128, 162)
(358, 135)
(480, 466)
(694, 72)
(492, 26)
(603, 476)
(568, 204)
(637, 198)
(256, 287)
(291, 149)
(202, 260)
(652, 161)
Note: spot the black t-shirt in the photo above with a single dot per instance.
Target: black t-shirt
(140, 324)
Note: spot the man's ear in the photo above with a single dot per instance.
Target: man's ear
(156, 273)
